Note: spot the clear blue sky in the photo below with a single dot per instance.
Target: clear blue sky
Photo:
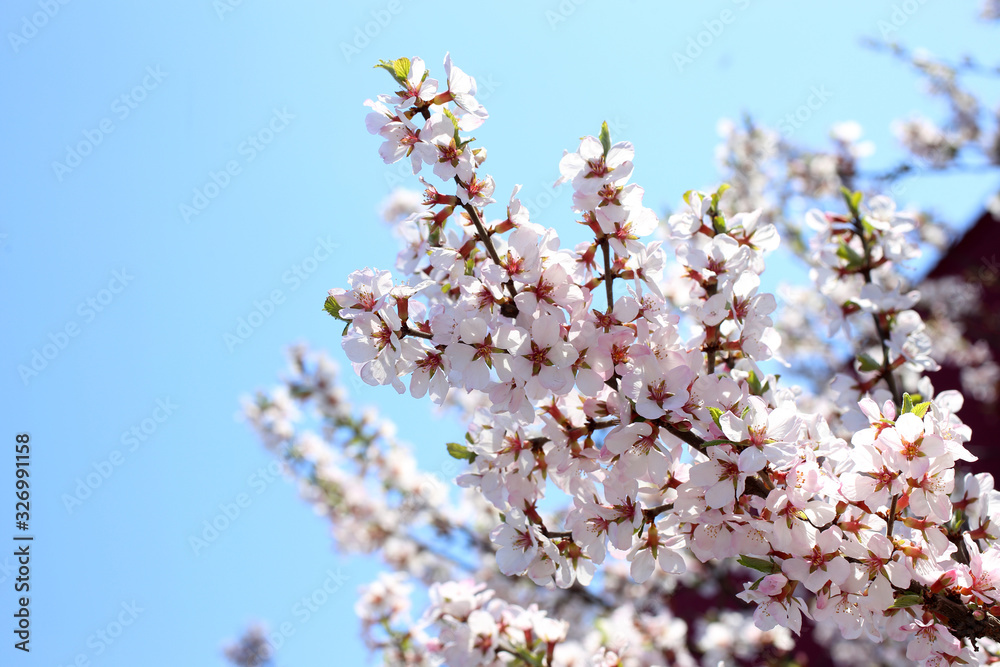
(198, 82)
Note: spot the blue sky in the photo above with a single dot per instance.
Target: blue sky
(135, 294)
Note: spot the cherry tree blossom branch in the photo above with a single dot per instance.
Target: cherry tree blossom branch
(514, 449)
(484, 236)
(406, 330)
(608, 275)
(891, 518)
(686, 436)
(883, 335)
(755, 485)
(650, 513)
(960, 619)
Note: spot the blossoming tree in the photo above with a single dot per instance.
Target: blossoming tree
(627, 450)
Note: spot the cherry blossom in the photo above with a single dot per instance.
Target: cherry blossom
(626, 431)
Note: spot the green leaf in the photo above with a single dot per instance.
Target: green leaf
(907, 404)
(402, 67)
(399, 69)
(717, 195)
(920, 409)
(868, 363)
(460, 452)
(605, 138)
(754, 383)
(331, 306)
(529, 657)
(849, 255)
(759, 564)
(853, 200)
(454, 121)
(907, 601)
(434, 238)
(716, 413)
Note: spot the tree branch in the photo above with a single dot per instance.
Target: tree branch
(484, 236)
(608, 275)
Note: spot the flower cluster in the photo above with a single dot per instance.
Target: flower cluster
(364, 481)
(652, 418)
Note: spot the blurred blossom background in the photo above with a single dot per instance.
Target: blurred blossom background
(183, 183)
